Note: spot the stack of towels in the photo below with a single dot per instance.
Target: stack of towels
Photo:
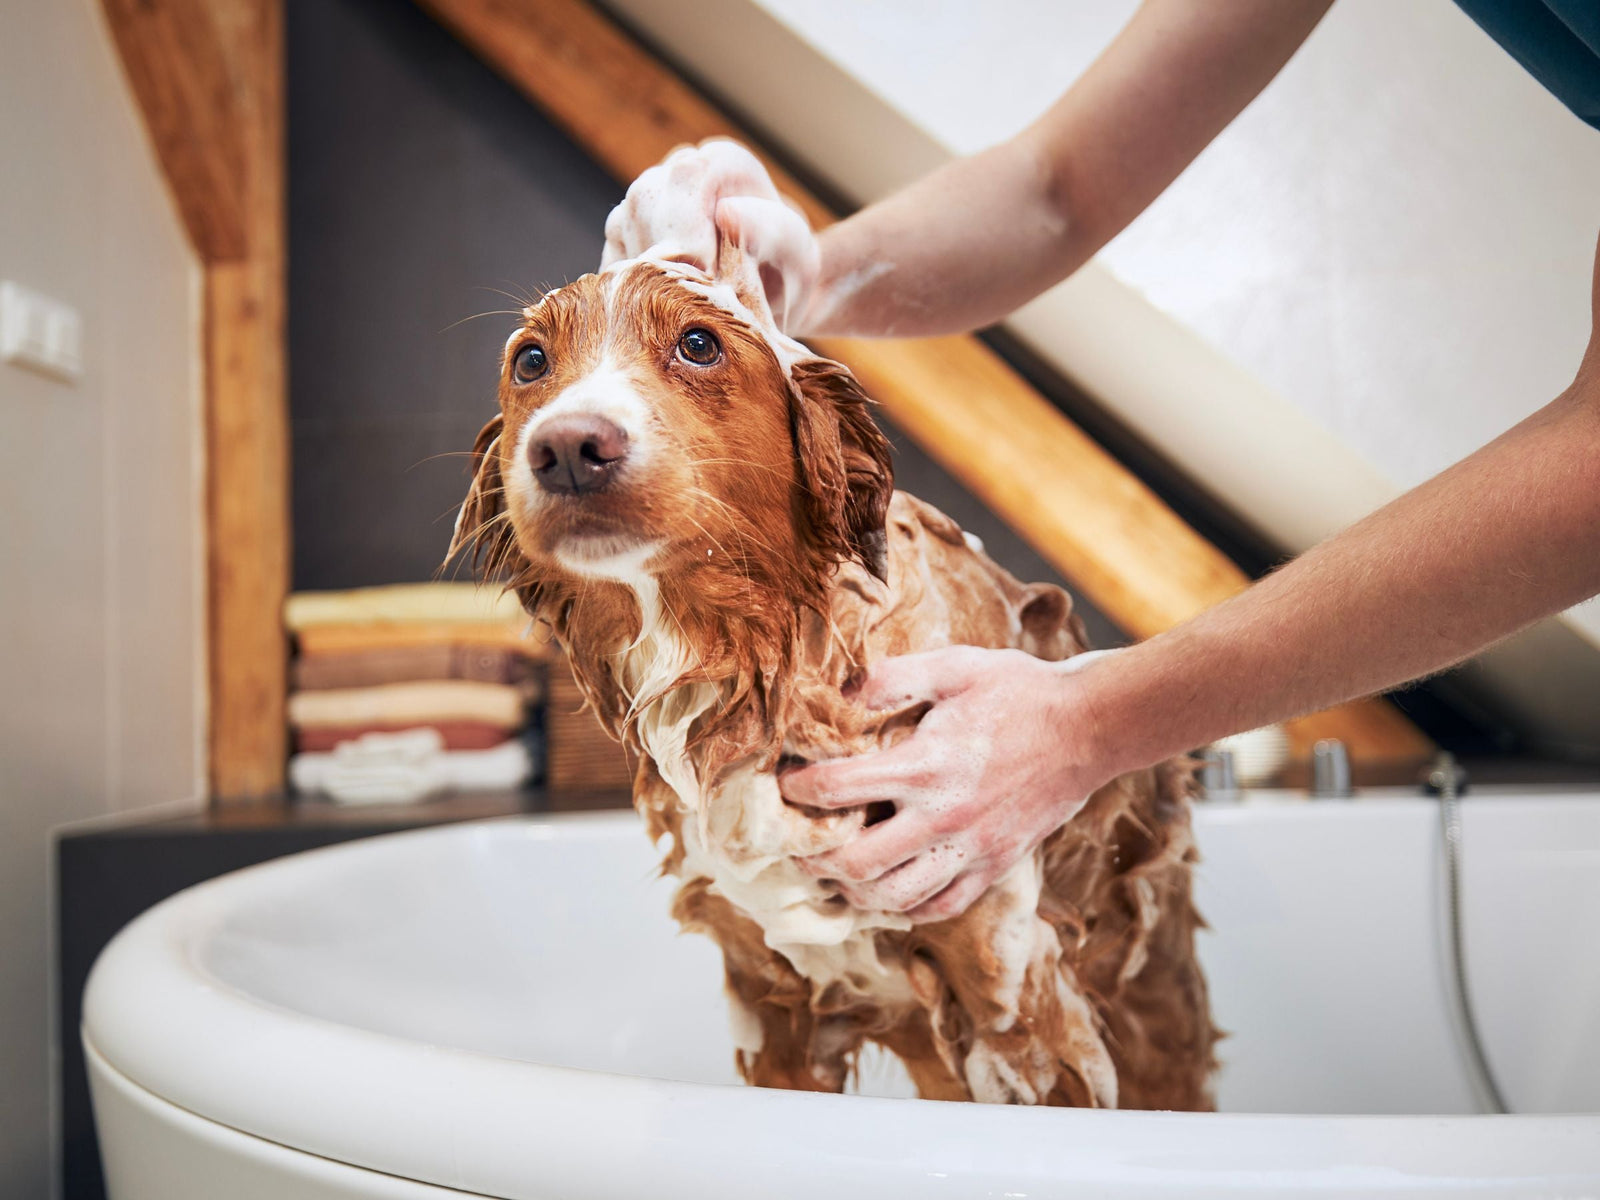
(403, 692)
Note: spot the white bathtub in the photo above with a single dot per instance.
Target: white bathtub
(504, 1009)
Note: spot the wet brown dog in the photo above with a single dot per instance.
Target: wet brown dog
(703, 513)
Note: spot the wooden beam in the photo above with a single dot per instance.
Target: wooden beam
(208, 76)
(173, 56)
(1082, 510)
(248, 530)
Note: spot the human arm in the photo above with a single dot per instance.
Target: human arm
(970, 242)
(1011, 748)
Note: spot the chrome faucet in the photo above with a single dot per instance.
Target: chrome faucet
(1218, 777)
(1330, 771)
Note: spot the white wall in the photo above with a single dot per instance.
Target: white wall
(101, 702)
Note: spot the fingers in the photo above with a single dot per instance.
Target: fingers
(724, 167)
(670, 209)
(920, 678)
(616, 248)
(777, 237)
(907, 887)
(873, 852)
(861, 779)
(951, 901)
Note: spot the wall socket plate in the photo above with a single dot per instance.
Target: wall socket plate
(39, 333)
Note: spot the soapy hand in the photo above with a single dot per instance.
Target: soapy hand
(681, 207)
(998, 763)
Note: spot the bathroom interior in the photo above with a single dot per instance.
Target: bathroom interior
(275, 248)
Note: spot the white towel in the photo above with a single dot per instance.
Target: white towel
(400, 768)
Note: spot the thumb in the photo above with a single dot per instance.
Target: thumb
(920, 678)
(616, 247)
(779, 241)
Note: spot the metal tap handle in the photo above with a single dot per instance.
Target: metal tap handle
(1330, 771)
(1218, 777)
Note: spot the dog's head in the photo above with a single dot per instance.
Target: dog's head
(655, 426)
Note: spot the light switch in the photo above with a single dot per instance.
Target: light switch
(39, 333)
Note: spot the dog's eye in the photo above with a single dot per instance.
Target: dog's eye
(699, 346)
(529, 364)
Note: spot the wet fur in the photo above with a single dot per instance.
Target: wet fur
(788, 566)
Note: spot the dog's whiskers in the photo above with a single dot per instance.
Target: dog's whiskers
(491, 312)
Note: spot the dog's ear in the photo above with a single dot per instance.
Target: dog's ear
(1050, 629)
(482, 526)
(845, 471)
(482, 511)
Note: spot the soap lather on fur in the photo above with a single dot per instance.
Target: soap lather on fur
(703, 513)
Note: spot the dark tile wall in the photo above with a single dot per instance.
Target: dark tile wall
(420, 186)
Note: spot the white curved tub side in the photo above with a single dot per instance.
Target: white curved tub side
(154, 1150)
(397, 1005)
(1327, 963)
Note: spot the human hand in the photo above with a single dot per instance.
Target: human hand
(686, 205)
(1001, 760)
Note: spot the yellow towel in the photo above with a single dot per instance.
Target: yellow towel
(404, 602)
(344, 639)
(399, 704)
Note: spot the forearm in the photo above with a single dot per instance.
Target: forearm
(971, 242)
(956, 250)
(1507, 536)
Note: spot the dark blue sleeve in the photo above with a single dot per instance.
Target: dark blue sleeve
(1558, 41)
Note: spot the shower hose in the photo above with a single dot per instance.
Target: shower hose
(1446, 780)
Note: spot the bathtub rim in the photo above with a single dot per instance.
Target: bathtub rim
(398, 1104)
(156, 1142)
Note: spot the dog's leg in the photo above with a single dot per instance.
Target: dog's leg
(913, 1043)
(799, 1050)
(1128, 858)
(1160, 1025)
(1024, 1033)
(784, 1043)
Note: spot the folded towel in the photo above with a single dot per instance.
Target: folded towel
(409, 704)
(396, 768)
(345, 639)
(404, 664)
(404, 602)
(457, 735)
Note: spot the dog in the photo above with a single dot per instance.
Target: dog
(703, 513)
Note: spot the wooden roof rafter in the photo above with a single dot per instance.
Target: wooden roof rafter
(174, 57)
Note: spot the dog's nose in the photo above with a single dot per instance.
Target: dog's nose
(576, 453)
